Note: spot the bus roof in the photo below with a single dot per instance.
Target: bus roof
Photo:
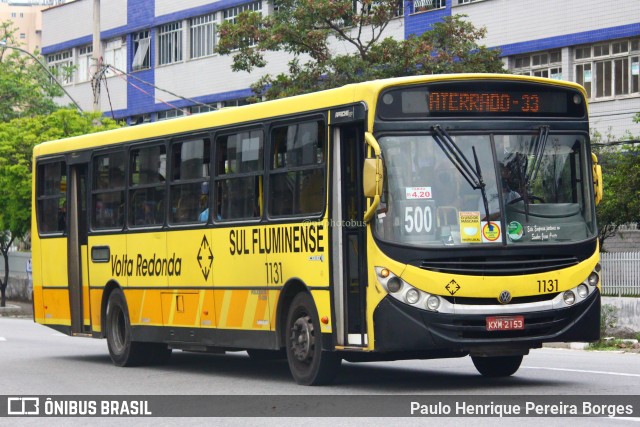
(357, 92)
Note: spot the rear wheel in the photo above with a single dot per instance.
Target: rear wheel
(309, 364)
(497, 366)
(123, 351)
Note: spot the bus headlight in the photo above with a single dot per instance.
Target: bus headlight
(593, 279)
(394, 284)
(569, 297)
(583, 291)
(412, 296)
(433, 302)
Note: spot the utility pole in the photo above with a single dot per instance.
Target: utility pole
(97, 54)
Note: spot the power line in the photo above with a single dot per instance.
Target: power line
(157, 87)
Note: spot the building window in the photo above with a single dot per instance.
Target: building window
(141, 43)
(232, 13)
(13, 15)
(609, 69)
(466, 1)
(234, 103)
(427, 5)
(197, 109)
(170, 114)
(83, 72)
(170, 43)
(61, 66)
(23, 36)
(115, 54)
(203, 36)
(540, 64)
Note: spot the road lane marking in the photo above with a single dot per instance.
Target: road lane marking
(584, 371)
(3, 339)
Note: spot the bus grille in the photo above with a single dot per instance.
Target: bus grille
(494, 301)
(496, 266)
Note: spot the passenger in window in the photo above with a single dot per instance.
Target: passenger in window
(62, 217)
(204, 202)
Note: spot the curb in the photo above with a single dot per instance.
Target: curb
(568, 345)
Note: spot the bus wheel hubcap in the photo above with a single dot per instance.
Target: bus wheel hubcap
(302, 338)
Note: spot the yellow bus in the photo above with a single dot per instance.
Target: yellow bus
(418, 217)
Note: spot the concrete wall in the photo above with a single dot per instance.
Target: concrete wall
(628, 311)
(623, 241)
(19, 286)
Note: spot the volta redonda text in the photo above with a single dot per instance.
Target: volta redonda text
(274, 240)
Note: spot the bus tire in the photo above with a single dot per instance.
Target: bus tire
(123, 351)
(308, 363)
(497, 366)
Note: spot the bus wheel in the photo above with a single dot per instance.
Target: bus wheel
(497, 366)
(122, 350)
(309, 365)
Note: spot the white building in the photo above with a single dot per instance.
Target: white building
(170, 45)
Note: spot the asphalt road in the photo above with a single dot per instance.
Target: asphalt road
(37, 360)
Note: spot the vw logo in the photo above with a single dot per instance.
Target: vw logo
(505, 297)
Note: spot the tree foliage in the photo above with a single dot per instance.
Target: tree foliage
(313, 31)
(17, 139)
(25, 87)
(621, 178)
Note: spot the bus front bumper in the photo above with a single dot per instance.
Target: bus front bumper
(400, 327)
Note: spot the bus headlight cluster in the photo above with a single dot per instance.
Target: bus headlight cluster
(404, 292)
(593, 279)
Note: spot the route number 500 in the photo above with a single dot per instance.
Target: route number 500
(418, 219)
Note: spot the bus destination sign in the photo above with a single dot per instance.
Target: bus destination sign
(466, 99)
(496, 102)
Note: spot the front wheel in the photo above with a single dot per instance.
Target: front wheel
(497, 366)
(309, 364)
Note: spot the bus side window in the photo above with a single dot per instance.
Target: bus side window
(238, 172)
(189, 183)
(297, 176)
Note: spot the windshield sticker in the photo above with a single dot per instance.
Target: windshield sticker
(469, 227)
(543, 233)
(418, 193)
(490, 231)
(515, 230)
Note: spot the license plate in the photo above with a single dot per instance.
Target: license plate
(505, 323)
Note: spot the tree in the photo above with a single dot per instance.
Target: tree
(17, 139)
(307, 30)
(621, 177)
(25, 87)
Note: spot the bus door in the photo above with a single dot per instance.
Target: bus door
(348, 234)
(77, 247)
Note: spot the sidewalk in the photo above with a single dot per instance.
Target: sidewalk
(17, 309)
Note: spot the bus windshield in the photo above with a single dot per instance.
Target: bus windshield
(491, 189)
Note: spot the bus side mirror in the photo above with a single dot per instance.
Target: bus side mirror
(372, 176)
(598, 186)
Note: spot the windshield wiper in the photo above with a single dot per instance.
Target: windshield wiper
(472, 175)
(536, 150)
